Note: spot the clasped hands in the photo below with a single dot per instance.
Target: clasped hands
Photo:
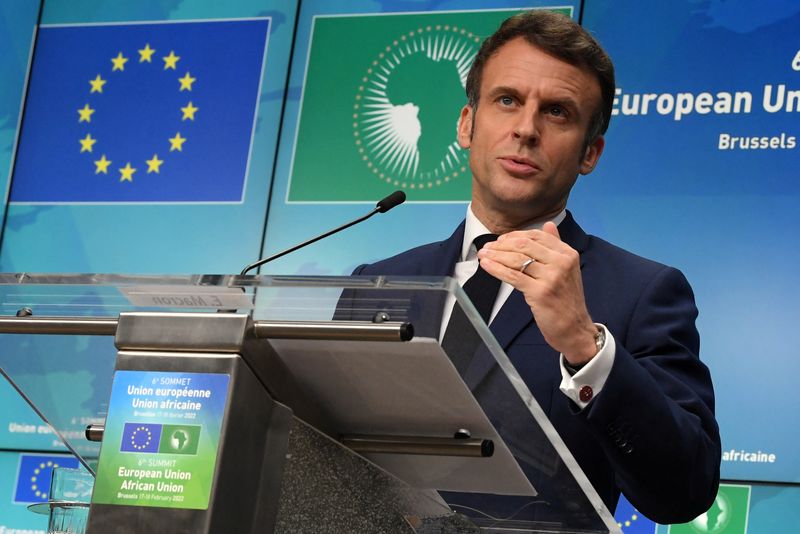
(551, 284)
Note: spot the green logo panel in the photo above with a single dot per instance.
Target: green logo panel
(728, 514)
(179, 439)
(150, 456)
(379, 113)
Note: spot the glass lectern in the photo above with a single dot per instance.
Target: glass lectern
(212, 403)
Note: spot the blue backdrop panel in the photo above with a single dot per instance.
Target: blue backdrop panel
(19, 482)
(112, 116)
(675, 186)
(766, 510)
(699, 172)
(408, 225)
(67, 377)
(138, 235)
(17, 27)
(148, 232)
(21, 428)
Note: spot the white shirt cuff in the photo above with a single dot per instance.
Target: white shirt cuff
(587, 383)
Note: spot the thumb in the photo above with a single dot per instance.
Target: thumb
(552, 229)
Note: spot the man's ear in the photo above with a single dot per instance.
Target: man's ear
(592, 155)
(465, 126)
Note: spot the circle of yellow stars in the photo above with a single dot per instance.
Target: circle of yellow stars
(48, 465)
(403, 43)
(147, 441)
(628, 522)
(96, 85)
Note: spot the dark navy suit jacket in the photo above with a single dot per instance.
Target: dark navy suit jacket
(651, 431)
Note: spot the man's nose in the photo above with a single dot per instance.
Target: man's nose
(526, 127)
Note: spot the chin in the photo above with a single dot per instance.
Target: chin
(518, 196)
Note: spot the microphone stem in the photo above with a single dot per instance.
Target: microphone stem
(304, 243)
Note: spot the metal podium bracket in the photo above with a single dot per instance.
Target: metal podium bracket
(93, 326)
(429, 446)
(205, 332)
(340, 330)
(222, 332)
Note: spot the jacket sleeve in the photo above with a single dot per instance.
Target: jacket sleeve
(654, 417)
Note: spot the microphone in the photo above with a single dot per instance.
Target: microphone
(389, 202)
(383, 205)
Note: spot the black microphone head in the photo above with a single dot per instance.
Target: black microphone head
(387, 203)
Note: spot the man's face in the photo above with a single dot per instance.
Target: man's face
(527, 136)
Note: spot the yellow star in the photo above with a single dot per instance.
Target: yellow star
(126, 173)
(102, 165)
(119, 62)
(87, 143)
(146, 54)
(170, 61)
(176, 143)
(189, 111)
(85, 114)
(97, 84)
(186, 82)
(154, 164)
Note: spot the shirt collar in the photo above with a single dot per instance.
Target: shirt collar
(473, 228)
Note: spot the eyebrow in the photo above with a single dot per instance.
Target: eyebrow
(503, 90)
(566, 101)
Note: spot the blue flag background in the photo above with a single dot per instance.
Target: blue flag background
(631, 521)
(35, 472)
(171, 130)
(140, 437)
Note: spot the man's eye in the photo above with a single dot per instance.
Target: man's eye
(557, 111)
(506, 100)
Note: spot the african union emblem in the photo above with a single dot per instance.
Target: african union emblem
(389, 135)
(380, 112)
(180, 439)
(145, 112)
(727, 515)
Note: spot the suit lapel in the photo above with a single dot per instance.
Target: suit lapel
(573, 235)
(513, 318)
(427, 305)
(443, 259)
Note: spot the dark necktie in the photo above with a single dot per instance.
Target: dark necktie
(460, 339)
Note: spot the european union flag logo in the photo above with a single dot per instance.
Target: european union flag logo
(35, 472)
(140, 437)
(631, 520)
(135, 113)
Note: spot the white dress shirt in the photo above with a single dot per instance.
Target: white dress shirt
(593, 374)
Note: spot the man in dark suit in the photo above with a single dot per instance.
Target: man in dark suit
(604, 339)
